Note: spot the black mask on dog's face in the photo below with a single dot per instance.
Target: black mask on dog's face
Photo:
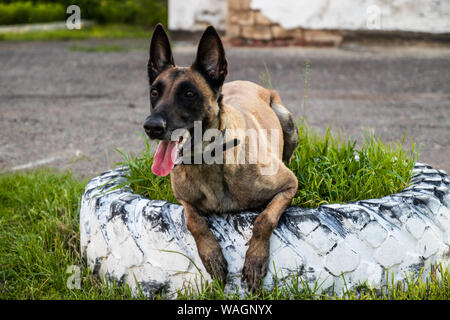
(181, 96)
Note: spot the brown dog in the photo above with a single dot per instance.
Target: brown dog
(180, 97)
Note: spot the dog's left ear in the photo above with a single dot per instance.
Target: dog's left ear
(210, 60)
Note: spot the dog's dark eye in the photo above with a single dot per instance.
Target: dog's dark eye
(189, 94)
(154, 93)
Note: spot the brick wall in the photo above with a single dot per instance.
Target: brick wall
(245, 26)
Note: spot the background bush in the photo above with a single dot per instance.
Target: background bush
(28, 12)
(140, 12)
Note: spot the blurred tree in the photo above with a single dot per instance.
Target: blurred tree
(141, 12)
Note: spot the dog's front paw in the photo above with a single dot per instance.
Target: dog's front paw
(214, 262)
(255, 264)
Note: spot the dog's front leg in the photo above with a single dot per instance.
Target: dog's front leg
(257, 256)
(208, 248)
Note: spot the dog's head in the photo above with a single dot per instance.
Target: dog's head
(180, 96)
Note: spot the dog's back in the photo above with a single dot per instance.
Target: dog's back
(264, 106)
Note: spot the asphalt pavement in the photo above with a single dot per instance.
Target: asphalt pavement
(66, 108)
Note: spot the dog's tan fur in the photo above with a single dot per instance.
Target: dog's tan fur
(233, 187)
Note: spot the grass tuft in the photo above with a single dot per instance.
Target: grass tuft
(332, 170)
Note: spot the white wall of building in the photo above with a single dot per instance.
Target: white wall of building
(431, 16)
(195, 15)
(387, 15)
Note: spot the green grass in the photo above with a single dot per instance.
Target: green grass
(39, 239)
(436, 286)
(99, 48)
(328, 171)
(326, 168)
(103, 31)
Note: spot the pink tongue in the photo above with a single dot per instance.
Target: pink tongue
(165, 157)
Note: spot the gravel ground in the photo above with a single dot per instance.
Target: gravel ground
(71, 109)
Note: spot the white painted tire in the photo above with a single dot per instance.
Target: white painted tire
(131, 239)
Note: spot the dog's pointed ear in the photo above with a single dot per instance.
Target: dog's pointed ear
(210, 60)
(160, 53)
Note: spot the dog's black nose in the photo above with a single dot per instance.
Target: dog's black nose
(155, 127)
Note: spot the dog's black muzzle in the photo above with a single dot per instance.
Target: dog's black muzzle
(155, 126)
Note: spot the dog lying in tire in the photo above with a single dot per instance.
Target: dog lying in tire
(186, 101)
